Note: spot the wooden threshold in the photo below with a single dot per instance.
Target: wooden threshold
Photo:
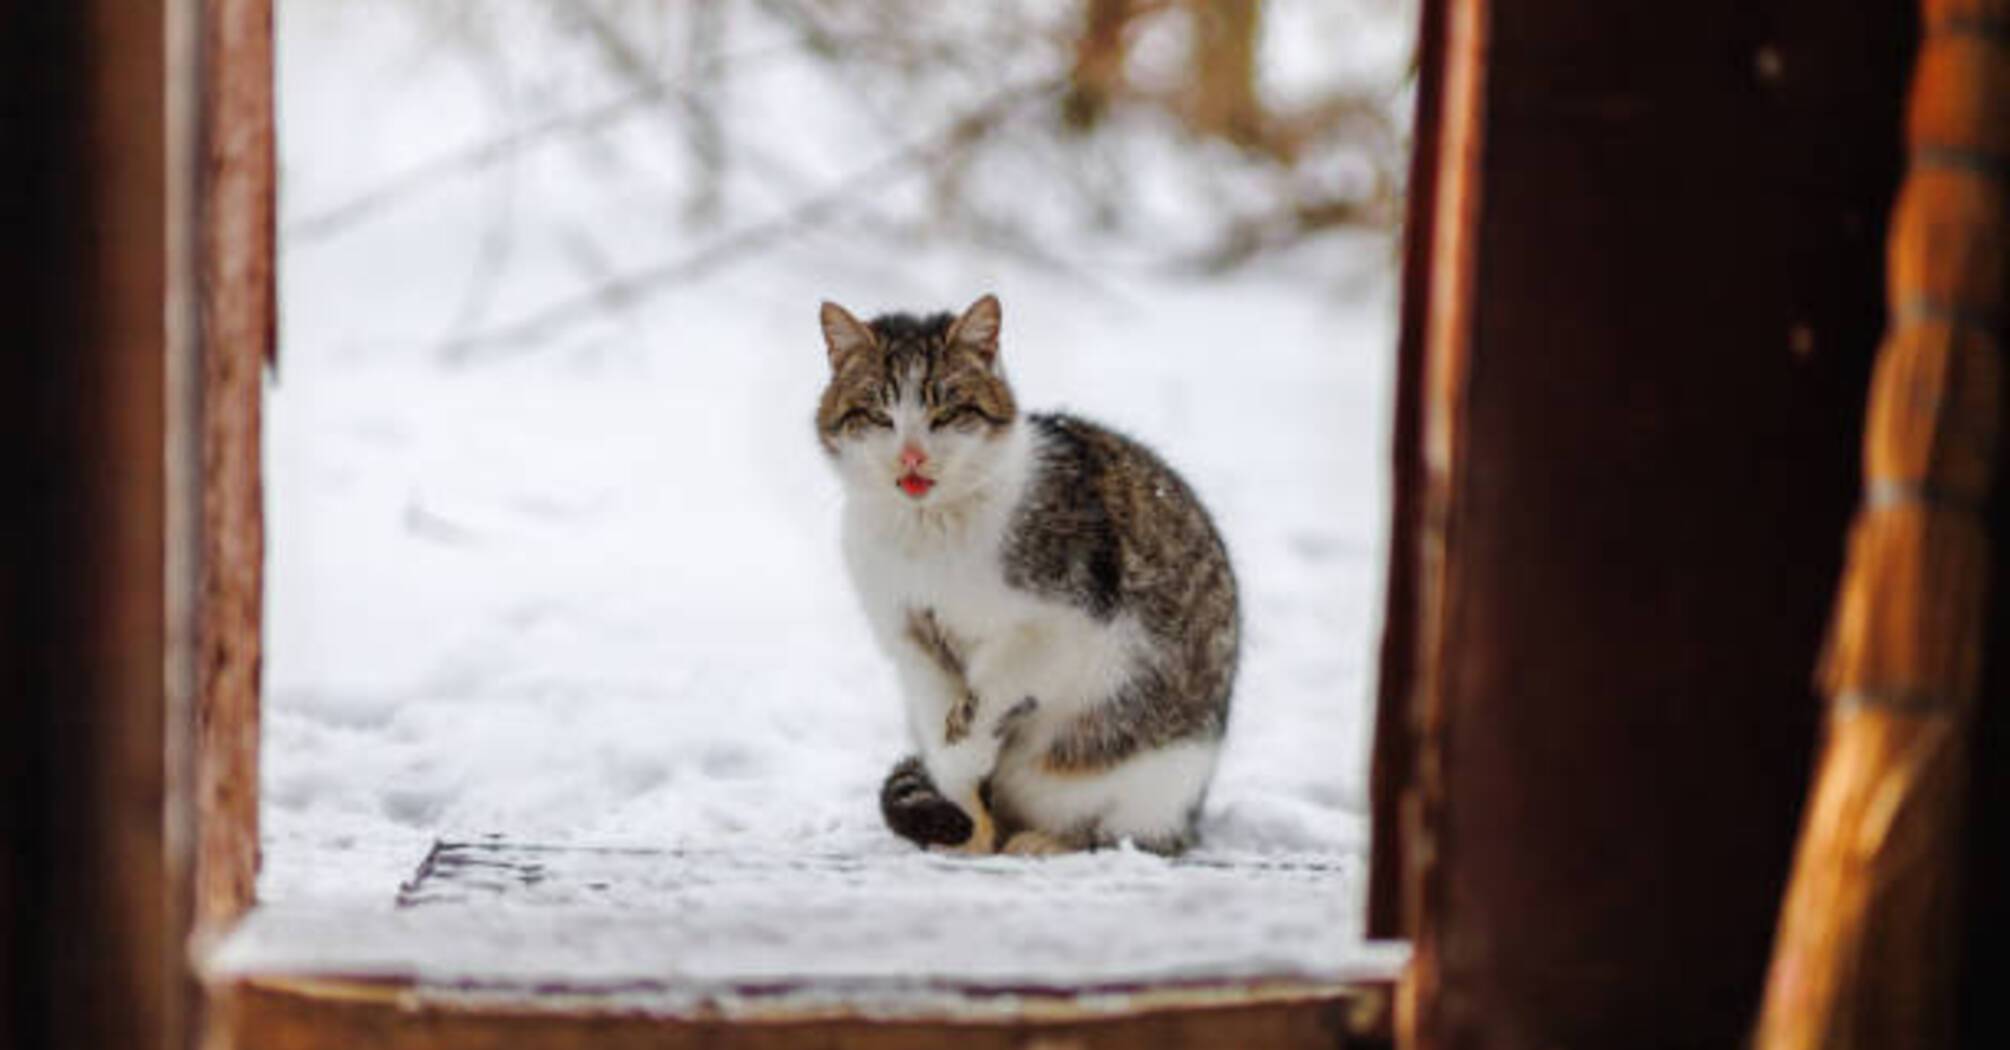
(311, 1013)
(498, 943)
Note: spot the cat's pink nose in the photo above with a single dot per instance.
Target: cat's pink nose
(911, 457)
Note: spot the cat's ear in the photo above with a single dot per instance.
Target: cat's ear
(843, 333)
(977, 329)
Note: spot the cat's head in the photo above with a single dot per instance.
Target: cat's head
(917, 409)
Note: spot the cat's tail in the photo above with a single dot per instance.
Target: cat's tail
(916, 811)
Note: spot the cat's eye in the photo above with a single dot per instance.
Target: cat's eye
(866, 416)
(960, 413)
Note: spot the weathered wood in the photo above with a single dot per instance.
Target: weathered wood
(1444, 350)
(1395, 741)
(1867, 950)
(336, 1015)
(687, 941)
(1963, 100)
(1640, 412)
(1980, 1019)
(239, 321)
(94, 946)
(670, 928)
(26, 130)
(181, 471)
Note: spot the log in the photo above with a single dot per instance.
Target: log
(1648, 344)
(1867, 953)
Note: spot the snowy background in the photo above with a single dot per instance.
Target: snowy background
(552, 546)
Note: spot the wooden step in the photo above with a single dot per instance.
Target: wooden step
(546, 944)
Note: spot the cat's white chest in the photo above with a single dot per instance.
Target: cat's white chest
(1013, 644)
(959, 579)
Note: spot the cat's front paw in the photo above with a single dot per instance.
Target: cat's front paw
(916, 811)
(930, 821)
(983, 840)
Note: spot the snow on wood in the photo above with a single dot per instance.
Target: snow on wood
(894, 930)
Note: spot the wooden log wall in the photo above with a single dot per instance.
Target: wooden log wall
(239, 314)
(1395, 735)
(1654, 299)
(1984, 905)
(93, 955)
(1869, 948)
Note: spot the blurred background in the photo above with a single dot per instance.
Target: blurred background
(553, 550)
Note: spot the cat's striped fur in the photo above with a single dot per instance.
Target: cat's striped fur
(1060, 608)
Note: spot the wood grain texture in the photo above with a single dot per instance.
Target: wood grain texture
(1867, 953)
(334, 1015)
(1446, 354)
(181, 470)
(1395, 741)
(1640, 428)
(26, 129)
(239, 321)
(94, 945)
(1983, 907)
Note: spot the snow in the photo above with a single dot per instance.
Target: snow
(892, 931)
(581, 588)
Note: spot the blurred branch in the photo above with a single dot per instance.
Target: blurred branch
(1221, 95)
(1358, 118)
(498, 240)
(889, 37)
(1250, 238)
(1098, 72)
(705, 136)
(698, 119)
(332, 220)
(691, 104)
(650, 91)
(1008, 239)
(829, 46)
(891, 58)
(808, 213)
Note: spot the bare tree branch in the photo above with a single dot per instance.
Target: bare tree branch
(650, 92)
(682, 98)
(705, 135)
(1297, 221)
(806, 214)
(332, 220)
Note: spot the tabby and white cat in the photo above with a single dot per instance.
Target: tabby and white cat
(1059, 607)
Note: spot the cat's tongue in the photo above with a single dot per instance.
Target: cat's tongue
(915, 485)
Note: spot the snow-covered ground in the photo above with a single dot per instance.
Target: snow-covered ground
(580, 585)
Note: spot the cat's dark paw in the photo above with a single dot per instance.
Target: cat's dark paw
(916, 811)
(931, 822)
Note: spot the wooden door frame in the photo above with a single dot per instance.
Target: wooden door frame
(1630, 408)
(155, 309)
(94, 896)
(144, 281)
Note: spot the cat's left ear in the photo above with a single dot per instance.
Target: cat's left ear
(977, 329)
(843, 334)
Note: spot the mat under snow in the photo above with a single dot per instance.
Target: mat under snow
(673, 930)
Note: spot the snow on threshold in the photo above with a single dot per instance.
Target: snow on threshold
(889, 932)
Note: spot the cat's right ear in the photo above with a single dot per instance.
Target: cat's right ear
(842, 332)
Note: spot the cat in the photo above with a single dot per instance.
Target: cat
(1058, 606)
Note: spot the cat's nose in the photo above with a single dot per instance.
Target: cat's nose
(911, 456)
